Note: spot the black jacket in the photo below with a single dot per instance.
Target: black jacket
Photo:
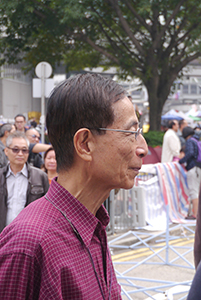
(38, 185)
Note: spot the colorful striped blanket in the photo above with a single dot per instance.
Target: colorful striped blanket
(173, 190)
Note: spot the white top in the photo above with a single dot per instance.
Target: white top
(171, 146)
(17, 190)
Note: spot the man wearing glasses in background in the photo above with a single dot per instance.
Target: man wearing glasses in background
(20, 122)
(35, 158)
(20, 184)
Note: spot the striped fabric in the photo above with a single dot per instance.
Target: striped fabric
(173, 190)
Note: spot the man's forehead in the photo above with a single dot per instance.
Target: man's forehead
(19, 119)
(19, 141)
(33, 131)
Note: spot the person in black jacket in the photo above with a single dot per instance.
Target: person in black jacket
(193, 168)
(20, 183)
(35, 158)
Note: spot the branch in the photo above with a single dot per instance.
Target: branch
(43, 5)
(113, 32)
(99, 49)
(126, 26)
(175, 42)
(140, 19)
(137, 73)
(165, 27)
(186, 61)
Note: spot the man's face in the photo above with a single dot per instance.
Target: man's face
(50, 161)
(176, 126)
(118, 155)
(184, 124)
(20, 123)
(17, 159)
(33, 136)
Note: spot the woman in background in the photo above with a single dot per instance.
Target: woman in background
(50, 164)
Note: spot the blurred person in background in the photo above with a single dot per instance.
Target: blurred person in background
(171, 144)
(35, 159)
(20, 184)
(5, 130)
(50, 164)
(33, 123)
(182, 123)
(193, 168)
(20, 122)
(197, 130)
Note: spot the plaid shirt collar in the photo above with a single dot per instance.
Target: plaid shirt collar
(81, 218)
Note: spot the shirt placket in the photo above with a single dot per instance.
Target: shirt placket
(106, 274)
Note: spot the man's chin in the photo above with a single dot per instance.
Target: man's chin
(128, 185)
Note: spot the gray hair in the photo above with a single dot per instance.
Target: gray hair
(5, 127)
(16, 134)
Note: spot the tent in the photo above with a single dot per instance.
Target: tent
(171, 115)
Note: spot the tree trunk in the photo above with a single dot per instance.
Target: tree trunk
(155, 111)
(158, 87)
(156, 102)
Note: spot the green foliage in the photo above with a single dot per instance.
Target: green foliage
(154, 138)
(152, 40)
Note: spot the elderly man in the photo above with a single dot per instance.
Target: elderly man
(20, 184)
(5, 130)
(58, 244)
(35, 158)
(171, 144)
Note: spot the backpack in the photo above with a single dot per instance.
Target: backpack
(198, 159)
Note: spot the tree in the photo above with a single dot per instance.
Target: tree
(149, 39)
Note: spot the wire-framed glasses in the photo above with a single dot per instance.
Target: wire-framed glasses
(137, 132)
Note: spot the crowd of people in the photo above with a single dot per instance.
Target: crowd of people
(180, 143)
(24, 174)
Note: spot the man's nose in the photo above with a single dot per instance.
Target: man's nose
(142, 148)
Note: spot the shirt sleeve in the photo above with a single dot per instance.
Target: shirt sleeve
(31, 147)
(18, 277)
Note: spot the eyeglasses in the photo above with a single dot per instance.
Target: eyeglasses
(34, 136)
(137, 132)
(17, 150)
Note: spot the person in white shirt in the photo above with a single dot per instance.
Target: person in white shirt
(171, 144)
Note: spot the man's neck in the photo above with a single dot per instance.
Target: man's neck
(91, 195)
(51, 174)
(15, 168)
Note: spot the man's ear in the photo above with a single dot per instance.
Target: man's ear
(83, 143)
(6, 134)
(6, 151)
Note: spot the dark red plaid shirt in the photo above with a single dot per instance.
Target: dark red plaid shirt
(42, 258)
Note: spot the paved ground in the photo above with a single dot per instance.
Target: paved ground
(127, 257)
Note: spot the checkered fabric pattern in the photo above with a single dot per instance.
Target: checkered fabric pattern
(42, 258)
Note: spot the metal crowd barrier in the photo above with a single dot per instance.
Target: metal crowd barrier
(127, 213)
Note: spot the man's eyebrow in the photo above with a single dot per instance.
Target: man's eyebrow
(133, 123)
